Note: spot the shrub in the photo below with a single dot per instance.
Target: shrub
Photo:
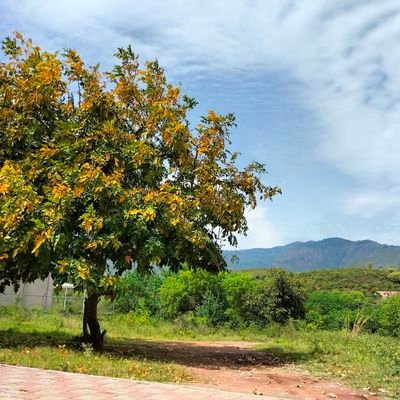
(186, 291)
(212, 308)
(387, 316)
(335, 309)
(239, 290)
(139, 293)
(277, 298)
(282, 297)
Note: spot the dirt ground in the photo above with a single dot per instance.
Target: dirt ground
(236, 366)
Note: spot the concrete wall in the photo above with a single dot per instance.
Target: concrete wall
(36, 294)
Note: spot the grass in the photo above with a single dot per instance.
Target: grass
(37, 339)
(362, 360)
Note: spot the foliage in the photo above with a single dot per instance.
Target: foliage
(139, 293)
(283, 295)
(186, 291)
(335, 309)
(365, 279)
(386, 317)
(101, 169)
(239, 289)
(394, 276)
(231, 298)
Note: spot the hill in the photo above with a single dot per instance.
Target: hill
(364, 279)
(323, 254)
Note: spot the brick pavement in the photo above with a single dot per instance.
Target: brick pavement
(38, 384)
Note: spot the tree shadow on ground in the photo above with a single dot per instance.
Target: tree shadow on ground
(12, 338)
(209, 355)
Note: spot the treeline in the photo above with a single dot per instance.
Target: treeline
(367, 279)
(240, 300)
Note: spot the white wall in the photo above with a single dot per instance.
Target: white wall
(36, 294)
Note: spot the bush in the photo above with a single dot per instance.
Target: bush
(387, 316)
(212, 308)
(239, 290)
(139, 293)
(188, 290)
(282, 297)
(277, 298)
(235, 299)
(335, 309)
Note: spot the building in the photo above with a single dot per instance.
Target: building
(387, 293)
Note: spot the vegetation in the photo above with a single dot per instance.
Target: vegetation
(38, 339)
(364, 360)
(238, 300)
(365, 279)
(235, 300)
(100, 171)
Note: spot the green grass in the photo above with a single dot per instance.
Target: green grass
(49, 341)
(37, 339)
(363, 360)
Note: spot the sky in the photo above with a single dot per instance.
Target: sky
(314, 85)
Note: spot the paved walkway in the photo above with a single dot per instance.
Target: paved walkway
(38, 384)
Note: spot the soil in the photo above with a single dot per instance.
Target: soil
(237, 367)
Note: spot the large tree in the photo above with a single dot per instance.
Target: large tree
(102, 168)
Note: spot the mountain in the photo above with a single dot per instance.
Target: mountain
(323, 254)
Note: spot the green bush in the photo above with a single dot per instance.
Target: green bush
(283, 297)
(239, 291)
(335, 309)
(277, 298)
(212, 308)
(139, 293)
(187, 290)
(387, 316)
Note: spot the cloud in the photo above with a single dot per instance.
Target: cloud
(262, 232)
(344, 52)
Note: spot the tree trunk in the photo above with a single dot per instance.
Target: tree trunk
(85, 328)
(96, 336)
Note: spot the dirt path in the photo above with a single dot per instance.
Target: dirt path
(236, 366)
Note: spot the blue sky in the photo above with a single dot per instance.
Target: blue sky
(315, 86)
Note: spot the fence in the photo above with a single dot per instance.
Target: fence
(69, 304)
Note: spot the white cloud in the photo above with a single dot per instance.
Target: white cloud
(346, 52)
(261, 232)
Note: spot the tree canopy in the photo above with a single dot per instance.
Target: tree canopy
(103, 168)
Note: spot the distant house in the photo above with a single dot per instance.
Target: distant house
(36, 294)
(387, 293)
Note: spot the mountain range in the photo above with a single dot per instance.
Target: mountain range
(323, 254)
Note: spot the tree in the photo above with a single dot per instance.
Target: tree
(281, 297)
(101, 171)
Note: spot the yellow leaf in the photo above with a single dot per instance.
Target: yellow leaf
(175, 221)
(87, 224)
(134, 211)
(4, 187)
(38, 243)
(62, 265)
(83, 272)
(149, 214)
(78, 191)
